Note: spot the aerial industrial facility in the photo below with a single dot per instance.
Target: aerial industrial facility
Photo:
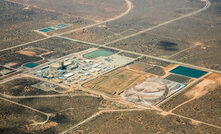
(76, 68)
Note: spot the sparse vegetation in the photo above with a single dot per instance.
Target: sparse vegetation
(67, 110)
(142, 122)
(152, 61)
(152, 28)
(22, 87)
(14, 118)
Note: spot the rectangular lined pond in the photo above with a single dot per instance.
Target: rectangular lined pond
(190, 72)
(31, 65)
(47, 30)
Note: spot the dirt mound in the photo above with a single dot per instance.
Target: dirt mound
(148, 92)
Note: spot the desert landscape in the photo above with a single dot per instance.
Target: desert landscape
(110, 66)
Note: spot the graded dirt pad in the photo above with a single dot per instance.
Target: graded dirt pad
(115, 82)
(5, 69)
(68, 111)
(27, 53)
(14, 118)
(202, 89)
(10, 64)
(142, 122)
(215, 77)
(96, 10)
(34, 51)
(23, 87)
(139, 66)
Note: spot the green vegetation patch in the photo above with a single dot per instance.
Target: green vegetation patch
(97, 53)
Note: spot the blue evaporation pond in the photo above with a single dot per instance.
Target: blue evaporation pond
(47, 29)
(61, 26)
(31, 65)
(190, 72)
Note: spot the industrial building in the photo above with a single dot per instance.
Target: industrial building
(76, 68)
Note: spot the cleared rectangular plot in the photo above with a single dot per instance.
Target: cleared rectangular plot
(178, 78)
(115, 82)
(139, 66)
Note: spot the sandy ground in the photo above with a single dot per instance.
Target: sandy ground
(137, 66)
(216, 77)
(36, 126)
(10, 64)
(202, 88)
(28, 53)
(47, 125)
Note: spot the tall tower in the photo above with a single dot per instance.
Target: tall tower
(62, 65)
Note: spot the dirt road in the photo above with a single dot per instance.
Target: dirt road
(208, 4)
